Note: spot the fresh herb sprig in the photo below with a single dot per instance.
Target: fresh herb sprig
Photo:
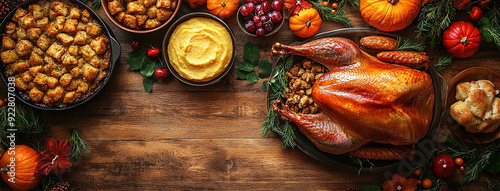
(27, 122)
(278, 85)
(139, 60)
(246, 69)
(95, 3)
(493, 13)
(410, 45)
(78, 145)
(442, 62)
(326, 12)
(434, 18)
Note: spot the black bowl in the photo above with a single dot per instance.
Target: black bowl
(115, 56)
(167, 38)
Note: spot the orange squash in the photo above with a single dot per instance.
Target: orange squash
(223, 8)
(21, 176)
(389, 15)
(305, 23)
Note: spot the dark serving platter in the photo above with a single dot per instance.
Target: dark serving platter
(344, 161)
(115, 56)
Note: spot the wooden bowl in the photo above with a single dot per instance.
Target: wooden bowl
(468, 75)
(241, 23)
(104, 4)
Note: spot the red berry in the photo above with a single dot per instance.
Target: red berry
(154, 52)
(136, 44)
(484, 2)
(443, 166)
(476, 13)
(161, 73)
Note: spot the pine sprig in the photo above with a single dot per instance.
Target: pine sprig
(443, 62)
(495, 33)
(408, 44)
(27, 122)
(78, 145)
(493, 14)
(278, 85)
(476, 168)
(95, 3)
(355, 4)
(326, 13)
(434, 18)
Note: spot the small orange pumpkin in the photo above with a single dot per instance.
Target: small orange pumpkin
(223, 8)
(306, 23)
(26, 160)
(389, 15)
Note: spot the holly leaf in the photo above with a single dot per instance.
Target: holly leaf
(494, 164)
(148, 84)
(242, 74)
(148, 69)
(484, 22)
(136, 59)
(245, 66)
(251, 53)
(265, 68)
(252, 78)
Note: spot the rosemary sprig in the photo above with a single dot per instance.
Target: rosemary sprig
(443, 62)
(278, 85)
(478, 166)
(78, 145)
(326, 12)
(355, 4)
(408, 44)
(434, 18)
(492, 186)
(493, 14)
(457, 148)
(495, 34)
(95, 3)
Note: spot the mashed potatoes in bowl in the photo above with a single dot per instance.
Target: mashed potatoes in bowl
(200, 49)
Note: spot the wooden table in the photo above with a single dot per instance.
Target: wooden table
(184, 137)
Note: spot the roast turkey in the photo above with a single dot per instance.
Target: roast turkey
(363, 100)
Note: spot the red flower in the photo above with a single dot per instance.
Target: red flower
(55, 159)
(400, 183)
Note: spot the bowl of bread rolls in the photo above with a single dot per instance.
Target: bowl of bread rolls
(473, 105)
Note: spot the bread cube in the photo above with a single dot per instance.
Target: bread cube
(36, 10)
(65, 79)
(151, 12)
(9, 56)
(7, 43)
(93, 29)
(89, 72)
(152, 23)
(69, 97)
(35, 95)
(43, 42)
(21, 33)
(34, 33)
(81, 38)
(51, 30)
(56, 50)
(74, 13)
(130, 21)
(23, 47)
(148, 3)
(35, 70)
(100, 45)
(85, 16)
(120, 16)
(20, 84)
(87, 52)
(19, 13)
(60, 20)
(115, 7)
(52, 82)
(141, 19)
(68, 59)
(27, 21)
(56, 94)
(73, 50)
(135, 7)
(60, 8)
(70, 26)
(76, 72)
(10, 28)
(35, 59)
(40, 79)
(42, 22)
(65, 39)
(166, 4)
(163, 14)
(83, 87)
(47, 100)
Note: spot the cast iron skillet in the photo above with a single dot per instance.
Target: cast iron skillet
(344, 161)
(115, 55)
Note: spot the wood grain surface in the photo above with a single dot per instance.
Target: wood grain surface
(184, 137)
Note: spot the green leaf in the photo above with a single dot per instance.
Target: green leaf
(137, 58)
(485, 35)
(484, 22)
(265, 84)
(251, 53)
(242, 74)
(265, 68)
(245, 66)
(148, 69)
(494, 163)
(148, 84)
(369, 187)
(252, 77)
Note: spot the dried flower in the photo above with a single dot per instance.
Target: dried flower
(400, 183)
(55, 159)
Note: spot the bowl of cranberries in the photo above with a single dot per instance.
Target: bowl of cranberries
(261, 17)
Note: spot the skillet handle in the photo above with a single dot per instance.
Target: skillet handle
(116, 49)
